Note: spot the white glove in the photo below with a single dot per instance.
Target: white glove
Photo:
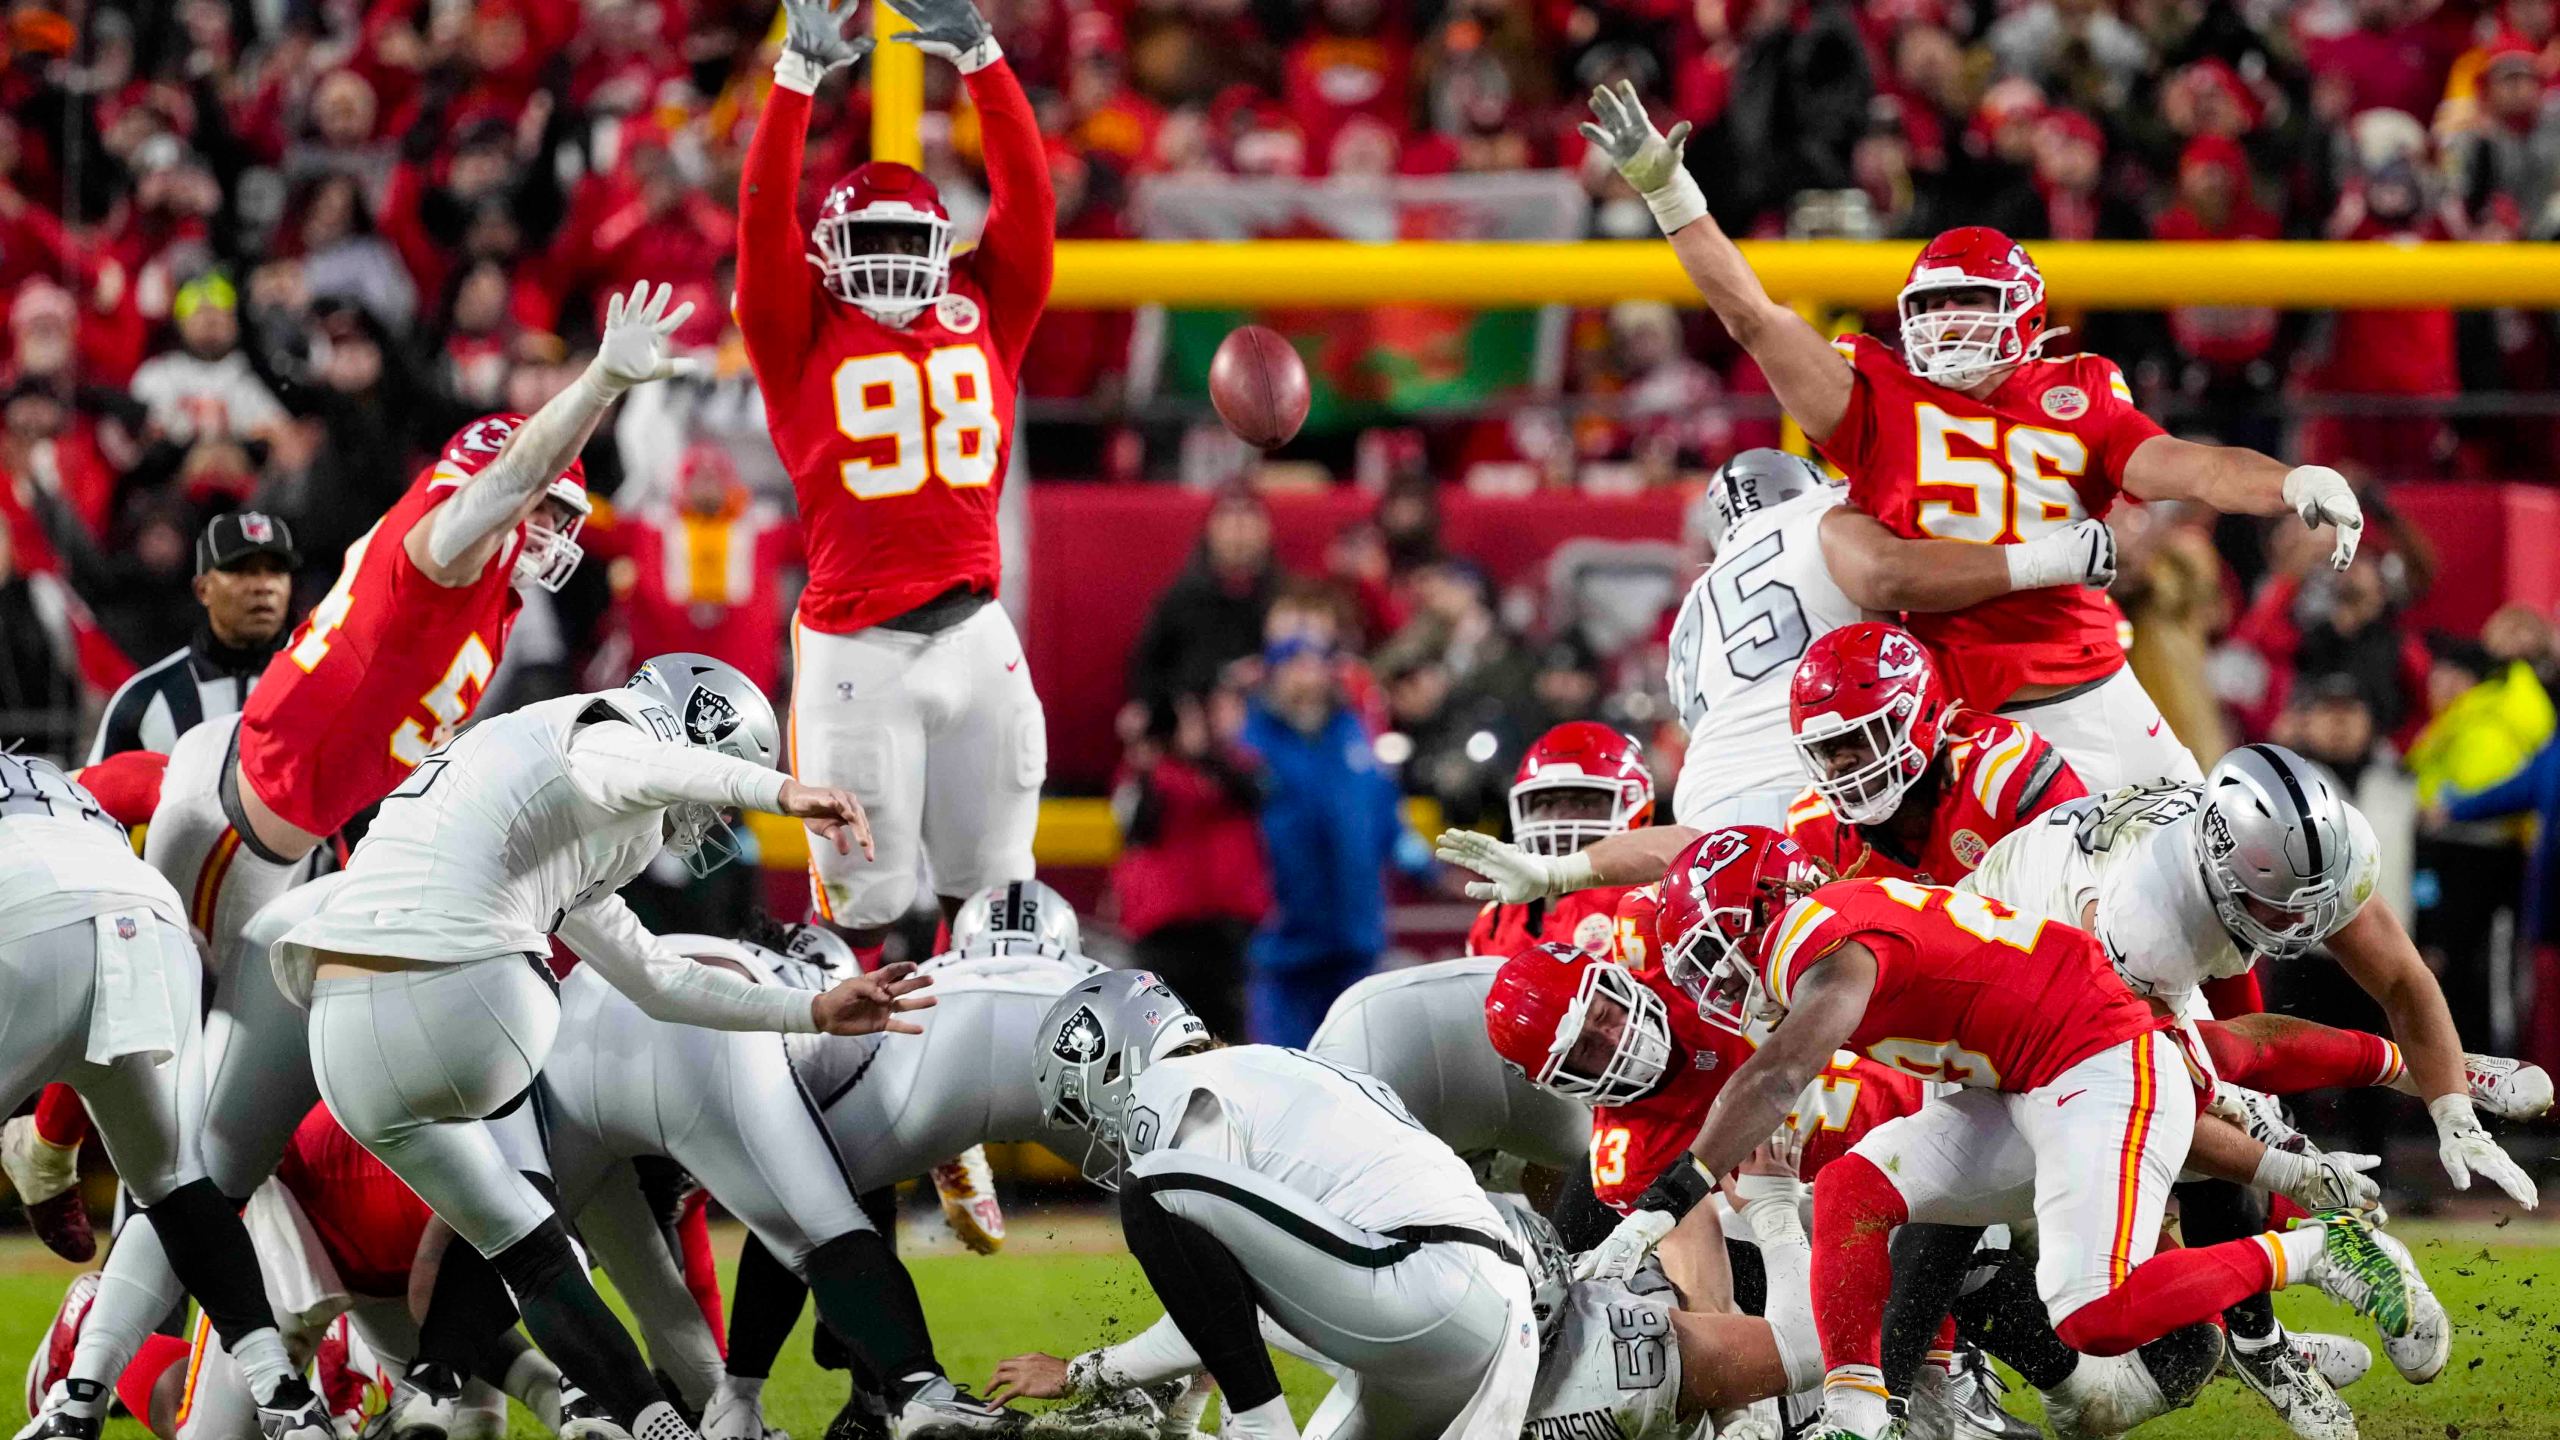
(2080, 553)
(2321, 1180)
(639, 339)
(814, 43)
(1756, 1421)
(1617, 1257)
(2466, 1150)
(2322, 496)
(1513, 876)
(1649, 159)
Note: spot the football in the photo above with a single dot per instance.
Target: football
(1259, 385)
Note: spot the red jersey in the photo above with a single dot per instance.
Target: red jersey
(1631, 1145)
(2045, 449)
(1995, 776)
(384, 669)
(1638, 920)
(1967, 990)
(896, 438)
(1849, 1098)
(367, 1219)
(1585, 920)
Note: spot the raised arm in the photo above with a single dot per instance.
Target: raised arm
(2239, 481)
(1879, 570)
(463, 533)
(1811, 379)
(778, 293)
(1513, 876)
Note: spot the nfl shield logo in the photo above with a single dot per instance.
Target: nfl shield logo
(258, 528)
(124, 927)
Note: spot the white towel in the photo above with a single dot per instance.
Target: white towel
(302, 1284)
(129, 1008)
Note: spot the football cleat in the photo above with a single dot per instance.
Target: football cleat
(969, 1205)
(2508, 1089)
(732, 1416)
(2420, 1353)
(2284, 1376)
(2340, 1360)
(583, 1417)
(425, 1405)
(1975, 1396)
(2357, 1272)
(72, 1410)
(293, 1412)
(865, 1416)
(938, 1408)
(47, 1179)
(1130, 1414)
(2103, 1397)
(52, 1360)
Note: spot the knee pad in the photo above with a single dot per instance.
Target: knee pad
(532, 1265)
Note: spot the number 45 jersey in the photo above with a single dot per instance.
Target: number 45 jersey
(1611, 1371)
(2046, 448)
(1745, 624)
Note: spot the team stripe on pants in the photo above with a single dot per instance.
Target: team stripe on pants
(217, 865)
(2137, 1135)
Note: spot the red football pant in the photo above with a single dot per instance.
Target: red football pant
(2171, 1290)
(2281, 1055)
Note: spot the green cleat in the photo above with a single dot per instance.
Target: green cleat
(2355, 1270)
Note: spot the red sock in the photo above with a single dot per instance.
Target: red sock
(60, 1117)
(2172, 1289)
(152, 1361)
(2281, 1213)
(701, 1271)
(1855, 1212)
(2282, 1055)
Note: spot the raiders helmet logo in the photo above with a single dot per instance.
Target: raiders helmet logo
(1079, 1041)
(2218, 839)
(2066, 402)
(708, 716)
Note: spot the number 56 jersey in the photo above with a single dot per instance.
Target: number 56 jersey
(2046, 448)
(1611, 1371)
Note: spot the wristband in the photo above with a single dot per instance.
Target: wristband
(979, 56)
(1678, 1191)
(1572, 873)
(2035, 564)
(1678, 202)
(2280, 1172)
(797, 73)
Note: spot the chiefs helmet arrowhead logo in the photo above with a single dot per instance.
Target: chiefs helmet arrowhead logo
(1896, 655)
(708, 716)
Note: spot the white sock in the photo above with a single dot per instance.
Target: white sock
(533, 1380)
(661, 1422)
(2300, 1248)
(1269, 1420)
(263, 1364)
(2268, 1341)
(1853, 1398)
(740, 1387)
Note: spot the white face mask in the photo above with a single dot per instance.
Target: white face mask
(547, 557)
(891, 284)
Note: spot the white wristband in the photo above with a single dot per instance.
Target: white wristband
(797, 73)
(979, 56)
(2035, 564)
(1572, 873)
(2280, 1172)
(1677, 203)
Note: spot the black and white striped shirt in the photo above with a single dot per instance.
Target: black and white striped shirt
(187, 687)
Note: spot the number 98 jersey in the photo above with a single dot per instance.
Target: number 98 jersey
(2046, 448)
(1745, 624)
(1610, 1372)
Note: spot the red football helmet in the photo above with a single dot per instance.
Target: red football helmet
(1868, 711)
(1718, 897)
(884, 240)
(1540, 1004)
(1588, 757)
(549, 551)
(1961, 347)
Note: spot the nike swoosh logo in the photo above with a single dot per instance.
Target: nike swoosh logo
(2067, 1099)
(1016, 664)
(2154, 731)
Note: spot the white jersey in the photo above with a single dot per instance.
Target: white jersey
(1421, 1030)
(1611, 1371)
(2131, 853)
(63, 860)
(1743, 627)
(1338, 1137)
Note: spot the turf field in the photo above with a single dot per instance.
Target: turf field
(1062, 1286)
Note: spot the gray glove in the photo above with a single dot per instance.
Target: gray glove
(952, 29)
(814, 43)
(1649, 159)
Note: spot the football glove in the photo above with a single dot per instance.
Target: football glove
(2467, 1150)
(639, 338)
(1513, 876)
(1617, 1257)
(952, 29)
(2322, 496)
(1649, 160)
(814, 43)
(2080, 553)
(2321, 1180)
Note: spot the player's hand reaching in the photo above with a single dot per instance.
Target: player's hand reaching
(639, 338)
(2080, 553)
(864, 1004)
(952, 29)
(1513, 876)
(830, 812)
(2322, 496)
(1648, 159)
(2467, 1150)
(2322, 1179)
(1617, 1257)
(1034, 1376)
(813, 39)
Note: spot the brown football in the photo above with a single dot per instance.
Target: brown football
(1259, 385)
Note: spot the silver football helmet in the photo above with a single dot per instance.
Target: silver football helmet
(1023, 917)
(818, 958)
(1093, 1044)
(1757, 480)
(2286, 859)
(1542, 1255)
(716, 708)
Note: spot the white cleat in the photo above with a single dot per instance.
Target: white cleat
(52, 1360)
(2341, 1360)
(732, 1416)
(2283, 1374)
(2104, 1397)
(2508, 1089)
(967, 1187)
(2420, 1354)
(1976, 1401)
(941, 1409)
(425, 1405)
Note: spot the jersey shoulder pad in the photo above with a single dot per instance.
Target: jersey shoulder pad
(2009, 768)
(635, 709)
(1808, 930)
(1807, 808)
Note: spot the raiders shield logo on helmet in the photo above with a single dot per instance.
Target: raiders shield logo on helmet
(2218, 840)
(1079, 1041)
(708, 716)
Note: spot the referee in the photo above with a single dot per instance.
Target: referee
(244, 577)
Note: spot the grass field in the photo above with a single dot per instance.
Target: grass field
(1062, 1286)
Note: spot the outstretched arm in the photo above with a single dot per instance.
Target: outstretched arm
(1811, 379)
(1513, 876)
(1882, 571)
(462, 533)
(2239, 481)
(1829, 1001)
(778, 295)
